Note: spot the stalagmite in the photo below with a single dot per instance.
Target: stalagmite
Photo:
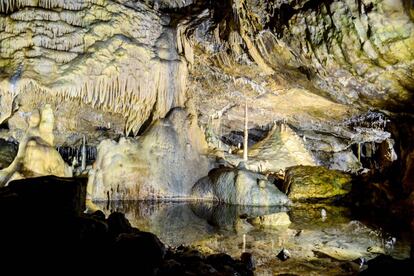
(83, 167)
(246, 133)
(36, 155)
(63, 37)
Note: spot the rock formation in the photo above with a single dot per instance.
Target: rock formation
(338, 73)
(36, 155)
(164, 163)
(112, 57)
(238, 186)
(310, 183)
(280, 149)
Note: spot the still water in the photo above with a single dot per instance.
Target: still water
(322, 240)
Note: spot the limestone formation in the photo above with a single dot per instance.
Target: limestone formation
(238, 186)
(271, 220)
(280, 149)
(108, 56)
(315, 183)
(163, 163)
(36, 155)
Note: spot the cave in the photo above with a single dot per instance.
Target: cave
(191, 137)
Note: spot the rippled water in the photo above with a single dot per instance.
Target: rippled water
(322, 240)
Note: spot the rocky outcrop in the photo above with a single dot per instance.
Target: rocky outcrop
(238, 186)
(36, 155)
(364, 47)
(305, 63)
(163, 163)
(281, 148)
(310, 183)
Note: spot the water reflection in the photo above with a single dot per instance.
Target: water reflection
(322, 239)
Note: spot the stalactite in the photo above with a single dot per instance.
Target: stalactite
(59, 31)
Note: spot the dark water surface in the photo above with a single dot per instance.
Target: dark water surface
(322, 240)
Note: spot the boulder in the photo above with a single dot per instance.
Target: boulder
(248, 259)
(118, 224)
(308, 182)
(55, 194)
(238, 186)
(143, 249)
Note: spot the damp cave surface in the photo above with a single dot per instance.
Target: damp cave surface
(322, 239)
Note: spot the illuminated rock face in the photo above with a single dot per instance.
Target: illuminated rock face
(36, 155)
(238, 187)
(106, 56)
(164, 163)
(319, 66)
(306, 182)
(280, 149)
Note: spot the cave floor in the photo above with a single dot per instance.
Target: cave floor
(321, 239)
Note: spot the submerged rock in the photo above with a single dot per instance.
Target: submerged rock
(238, 186)
(306, 182)
(283, 255)
(271, 220)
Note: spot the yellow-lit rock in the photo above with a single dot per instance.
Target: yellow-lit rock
(271, 220)
(306, 182)
(112, 58)
(163, 163)
(36, 155)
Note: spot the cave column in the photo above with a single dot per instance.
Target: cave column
(246, 133)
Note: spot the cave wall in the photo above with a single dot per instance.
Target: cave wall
(335, 71)
(96, 61)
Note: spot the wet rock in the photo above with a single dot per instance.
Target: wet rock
(98, 215)
(28, 225)
(386, 265)
(306, 182)
(283, 255)
(248, 259)
(220, 260)
(170, 267)
(188, 255)
(118, 224)
(271, 220)
(57, 195)
(238, 186)
(144, 248)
